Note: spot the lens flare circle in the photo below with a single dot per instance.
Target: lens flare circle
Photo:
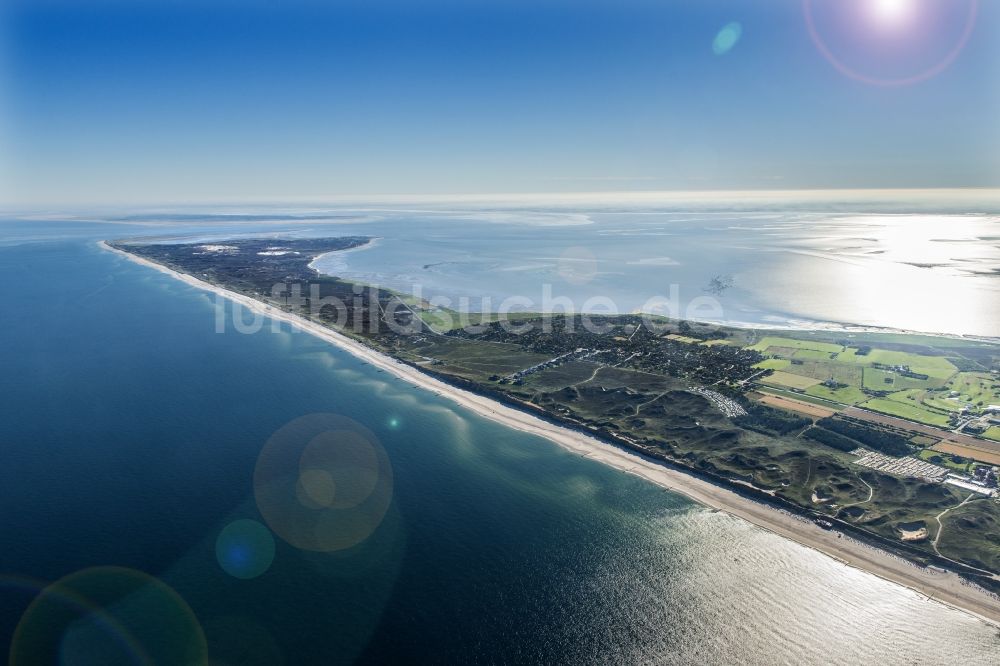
(890, 12)
(244, 549)
(727, 38)
(323, 483)
(108, 615)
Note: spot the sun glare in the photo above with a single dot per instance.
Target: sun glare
(892, 14)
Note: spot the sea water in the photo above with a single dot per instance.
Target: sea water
(130, 434)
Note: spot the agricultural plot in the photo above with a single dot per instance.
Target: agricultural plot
(813, 355)
(773, 364)
(780, 378)
(801, 397)
(816, 362)
(932, 366)
(842, 373)
(794, 344)
(907, 410)
(875, 379)
(993, 433)
(798, 406)
(849, 395)
(987, 453)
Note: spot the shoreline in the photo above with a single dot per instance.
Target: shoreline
(940, 586)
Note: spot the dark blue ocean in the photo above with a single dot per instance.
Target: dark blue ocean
(130, 433)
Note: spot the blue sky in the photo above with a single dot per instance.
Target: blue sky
(158, 102)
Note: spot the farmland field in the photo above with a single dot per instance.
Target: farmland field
(790, 343)
(812, 355)
(774, 364)
(985, 455)
(842, 373)
(904, 409)
(846, 394)
(780, 378)
(932, 366)
(796, 406)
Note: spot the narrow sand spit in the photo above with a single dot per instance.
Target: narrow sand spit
(936, 585)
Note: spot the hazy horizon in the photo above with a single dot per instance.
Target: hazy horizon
(153, 103)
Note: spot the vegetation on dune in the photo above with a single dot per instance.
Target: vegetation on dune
(770, 420)
(831, 439)
(878, 439)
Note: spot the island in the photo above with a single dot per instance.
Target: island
(879, 448)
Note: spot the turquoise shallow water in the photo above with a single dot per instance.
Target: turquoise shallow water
(130, 435)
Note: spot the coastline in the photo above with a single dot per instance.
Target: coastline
(940, 586)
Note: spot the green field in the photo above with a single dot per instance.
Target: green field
(848, 394)
(976, 388)
(932, 366)
(812, 355)
(906, 410)
(875, 380)
(945, 460)
(791, 343)
(822, 360)
(842, 373)
(943, 404)
(779, 378)
(803, 397)
(773, 364)
(712, 343)
(993, 433)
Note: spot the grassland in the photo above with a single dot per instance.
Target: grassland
(472, 360)
(945, 460)
(848, 395)
(987, 452)
(774, 364)
(798, 406)
(683, 338)
(909, 381)
(978, 389)
(789, 380)
(796, 344)
(913, 412)
(803, 397)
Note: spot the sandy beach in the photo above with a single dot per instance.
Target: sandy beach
(936, 585)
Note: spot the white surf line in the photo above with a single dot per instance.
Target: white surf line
(945, 587)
